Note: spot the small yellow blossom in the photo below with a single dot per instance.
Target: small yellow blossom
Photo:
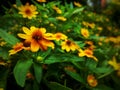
(114, 64)
(57, 10)
(2, 43)
(77, 4)
(88, 53)
(16, 48)
(28, 11)
(69, 45)
(85, 32)
(91, 25)
(61, 18)
(41, 0)
(59, 36)
(100, 28)
(92, 81)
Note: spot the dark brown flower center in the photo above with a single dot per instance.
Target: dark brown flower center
(37, 36)
(68, 42)
(28, 11)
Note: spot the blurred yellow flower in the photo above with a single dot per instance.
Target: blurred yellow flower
(88, 53)
(59, 36)
(37, 37)
(61, 18)
(41, 0)
(16, 48)
(28, 11)
(85, 32)
(69, 45)
(2, 43)
(92, 81)
(57, 10)
(114, 64)
(100, 28)
(77, 4)
(91, 25)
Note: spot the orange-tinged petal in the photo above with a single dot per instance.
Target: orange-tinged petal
(34, 46)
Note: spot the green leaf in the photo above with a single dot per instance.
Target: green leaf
(62, 58)
(18, 3)
(57, 86)
(21, 70)
(103, 70)
(102, 87)
(75, 76)
(38, 71)
(4, 53)
(8, 37)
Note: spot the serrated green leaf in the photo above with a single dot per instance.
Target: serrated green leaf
(21, 70)
(57, 86)
(8, 37)
(37, 71)
(76, 76)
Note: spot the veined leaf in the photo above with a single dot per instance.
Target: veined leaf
(37, 71)
(8, 37)
(21, 70)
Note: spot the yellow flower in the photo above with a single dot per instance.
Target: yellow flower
(28, 11)
(2, 43)
(85, 32)
(114, 64)
(91, 25)
(59, 36)
(77, 4)
(88, 53)
(37, 37)
(92, 81)
(100, 28)
(61, 18)
(16, 48)
(57, 10)
(41, 0)
(69, 45)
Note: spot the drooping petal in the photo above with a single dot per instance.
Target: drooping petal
(34, 46)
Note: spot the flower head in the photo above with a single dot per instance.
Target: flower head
(16, 48)
(69, 45)
(59, 36)
(61, 18)
(28, 11)
(77, 4)
(57, 10)
(92, 81)
(88, 53)
(85, 32)
(37, 37)
(114, 64)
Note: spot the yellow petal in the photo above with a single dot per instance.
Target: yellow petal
(34, 46)
(24, 36)
(26, 30)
